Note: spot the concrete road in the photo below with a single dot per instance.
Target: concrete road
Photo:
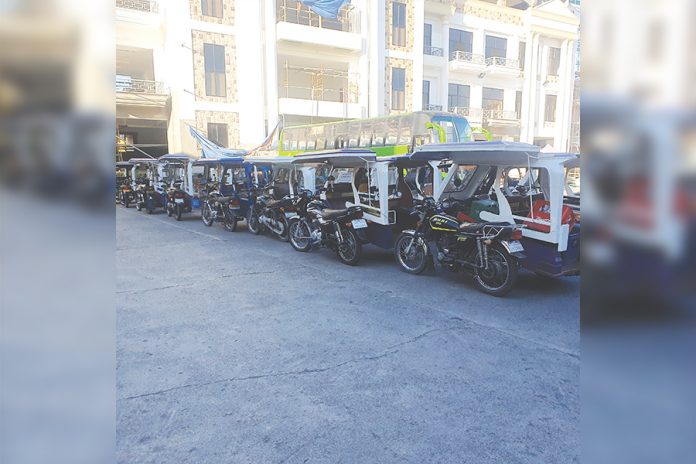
(234, 348)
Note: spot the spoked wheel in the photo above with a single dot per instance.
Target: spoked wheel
(411, 256)
(501, 274)
(285, 235)
(179, 211)
(350, 251)
(230, 221)
(300, 235)
(253, 222)
(207, 214)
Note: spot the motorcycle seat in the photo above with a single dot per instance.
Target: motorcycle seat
(477, 226)
(329, 214)
(222, 199)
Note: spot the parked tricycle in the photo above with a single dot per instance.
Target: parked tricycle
(176, 174)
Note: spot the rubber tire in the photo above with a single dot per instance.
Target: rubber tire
(358, 249)
(421, 266)
(179, 211)
(512, 277)
(294, 224)
(138, 205)
(230, 226)
(206, 206)
(149, 206)
(170, 212)
(286, 236)
(254, 230)
(126, 201)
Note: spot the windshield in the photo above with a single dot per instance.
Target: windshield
(457, 129)
(460, 179)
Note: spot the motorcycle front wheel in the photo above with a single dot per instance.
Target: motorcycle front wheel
(300, 235)
(350, 251)
(149, 205)
(501, 274)
(170, 211)
(412, 257)
(207, 214)
(253, 222)
(230, 221)
(179, 210)
(126, 200)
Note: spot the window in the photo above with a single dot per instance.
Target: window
(496, 47)
(426, 94)
(522, 54)
(458, 96)
(492, 99)
(399, 24)
(217, 133)
(398, 89)
(215, 82)
(518, 103)
(211, 8)
(427, 36)
(554, 61)
(460, 41)
(550, 108)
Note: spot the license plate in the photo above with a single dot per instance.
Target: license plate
(290, 214)
(178, 200)
(515, 247)
(359, 223)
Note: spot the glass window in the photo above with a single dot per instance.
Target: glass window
(458, 96)
(522, 54)
(450, 130)
(554, 61)
(461, 41)
(518, 103)
(214, 58)
(496, 47)
(427, 36)
(211, 8)
(217, 133)
(550, 108)
(398, 88)
(492, 98)
(282, 175)
(461, 178)
(426, 94)
(399, 24)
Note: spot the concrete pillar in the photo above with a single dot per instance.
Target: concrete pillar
(444, 81)
(270, 64)
(250, 65)
(419, 20)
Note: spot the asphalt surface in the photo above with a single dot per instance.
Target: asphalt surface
(234, 348)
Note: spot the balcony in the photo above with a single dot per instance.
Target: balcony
(433, 51)
(473, 114)
(468, 57)
(140, 93)
(552, 79)
(321, 92)
(296, 23)
(503, 62)
(501, 119)
(146, 6)
(475, 63)
(432, 107)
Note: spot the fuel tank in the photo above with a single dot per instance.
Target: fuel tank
(443, 222)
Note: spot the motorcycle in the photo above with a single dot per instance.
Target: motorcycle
(178, 201)
(491, 250)
(145, 196)
(219, 208)
(124, 194)
(316, 226)
(267, 213)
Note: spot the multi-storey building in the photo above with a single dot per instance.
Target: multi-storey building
(234, 68)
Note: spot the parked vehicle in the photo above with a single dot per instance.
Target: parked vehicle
(124, 189)
(317, 226)
(146, 177)
(514, 183)
(176, 174)
(274, 203)
(222, 191)
(491, 250)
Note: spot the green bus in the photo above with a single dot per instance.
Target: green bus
(386, 136)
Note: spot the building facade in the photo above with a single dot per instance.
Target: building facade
(234, 68)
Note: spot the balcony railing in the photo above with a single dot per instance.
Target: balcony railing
(549, 124)
(552, 78)
(291, 11)
(319, 84)
(433, 51)
(504, 62)
(474, 113)
(468, 57)
(147, 6)
(130, 85)
(432, 107)
(500, 115)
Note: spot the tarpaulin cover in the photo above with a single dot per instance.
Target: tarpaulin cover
(325, 8)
